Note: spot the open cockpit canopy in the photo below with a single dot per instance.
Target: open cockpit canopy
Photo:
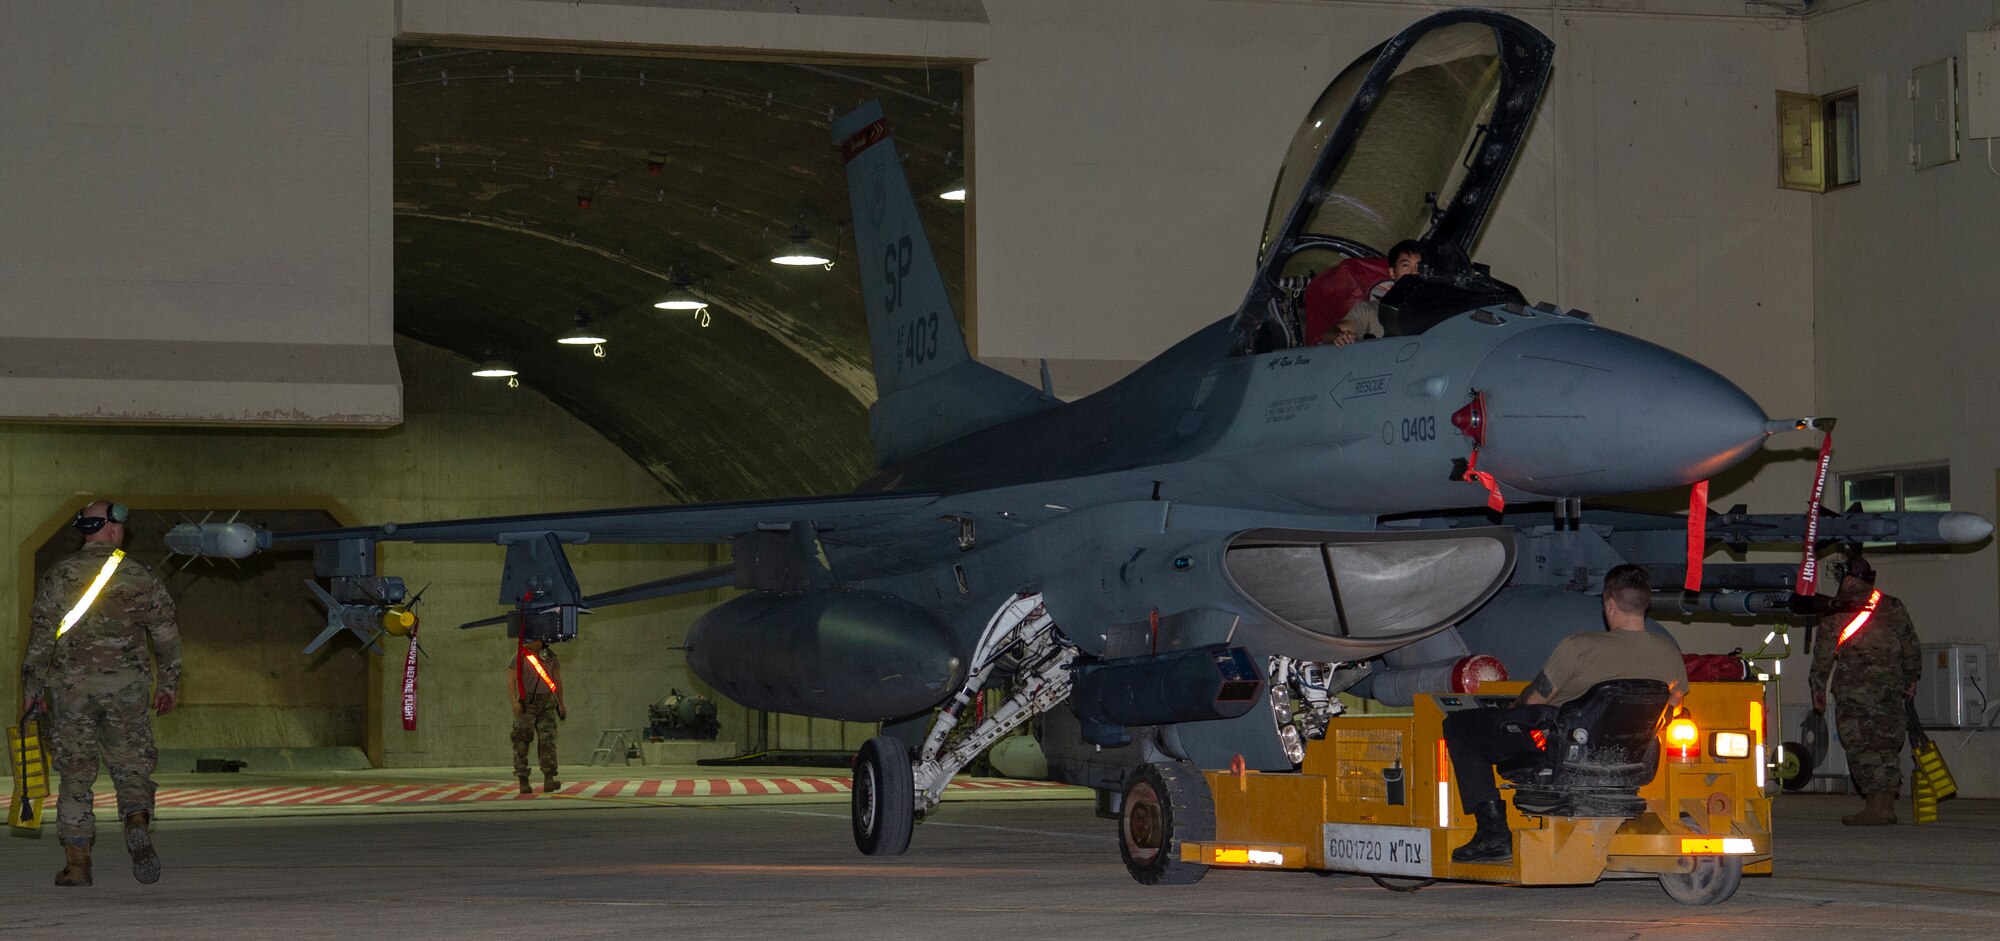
(1412, 141)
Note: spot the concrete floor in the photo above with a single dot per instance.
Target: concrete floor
(785, 868)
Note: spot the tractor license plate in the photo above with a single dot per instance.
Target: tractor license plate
(1386, 851)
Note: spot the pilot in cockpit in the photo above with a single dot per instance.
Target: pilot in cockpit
(1340, 301)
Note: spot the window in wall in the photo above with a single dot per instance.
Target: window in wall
(1917, 489)
(1819, 141)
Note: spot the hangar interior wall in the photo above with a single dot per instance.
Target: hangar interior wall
(467, 447)
(243, 625)
(1905, 286)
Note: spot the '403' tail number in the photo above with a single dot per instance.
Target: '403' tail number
(920, 339)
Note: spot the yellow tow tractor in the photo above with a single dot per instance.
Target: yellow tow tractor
(1618, 792)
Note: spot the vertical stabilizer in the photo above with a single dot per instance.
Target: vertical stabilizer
(928, 388)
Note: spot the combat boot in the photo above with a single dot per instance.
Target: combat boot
(76, 864)
(139, 842)
(1880, 812)
(1492, 843)
(549, 784)
(526, 788)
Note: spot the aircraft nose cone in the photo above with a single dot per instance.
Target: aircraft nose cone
(1580, 411)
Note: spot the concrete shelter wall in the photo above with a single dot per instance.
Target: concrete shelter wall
(1905, 286)
(196, 222)
(242, 624)
(467, 447)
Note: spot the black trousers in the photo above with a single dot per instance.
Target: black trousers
(1478, 740)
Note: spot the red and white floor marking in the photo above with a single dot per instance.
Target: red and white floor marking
(351, 795)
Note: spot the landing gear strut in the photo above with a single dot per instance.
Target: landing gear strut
(892, 792)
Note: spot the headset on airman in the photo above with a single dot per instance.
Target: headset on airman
(1855, 566)
(118, 513)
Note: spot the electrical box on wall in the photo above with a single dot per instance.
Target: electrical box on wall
(1982, 84)
(1951, 694)
(1933, 91)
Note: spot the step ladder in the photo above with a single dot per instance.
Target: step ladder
(616, 745)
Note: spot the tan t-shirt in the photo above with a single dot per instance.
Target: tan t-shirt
(1585, 660)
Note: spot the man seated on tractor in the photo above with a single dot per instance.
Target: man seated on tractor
(1478, 739)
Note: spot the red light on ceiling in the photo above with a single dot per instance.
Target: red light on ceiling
(583, 201)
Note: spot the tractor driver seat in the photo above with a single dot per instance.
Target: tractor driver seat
(1597, 751)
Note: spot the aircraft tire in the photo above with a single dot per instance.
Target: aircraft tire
(884, 797)
(1712, 882)
(1166, 804)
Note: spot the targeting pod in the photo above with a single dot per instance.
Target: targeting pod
(1214, 682)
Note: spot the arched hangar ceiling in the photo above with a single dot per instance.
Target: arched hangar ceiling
(533, 185)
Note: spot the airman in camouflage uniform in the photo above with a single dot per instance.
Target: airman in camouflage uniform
(536, 709)
(1879, 666)
(96, 682)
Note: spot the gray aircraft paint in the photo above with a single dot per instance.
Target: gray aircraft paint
(1174, 495)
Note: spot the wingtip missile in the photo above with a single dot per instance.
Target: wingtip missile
(1960, 528)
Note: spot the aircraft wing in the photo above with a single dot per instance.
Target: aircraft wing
(858, 519)
(537, 576)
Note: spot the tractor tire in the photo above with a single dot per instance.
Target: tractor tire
(1165, 805)
(1712, 882)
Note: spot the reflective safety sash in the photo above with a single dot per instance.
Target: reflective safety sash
(536, 662)
(90, 594)
(1867, 611)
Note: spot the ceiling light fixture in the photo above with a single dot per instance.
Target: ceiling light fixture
(583, 334)
(955, 192)
(498, 369)
(682, 297)
(800, 252)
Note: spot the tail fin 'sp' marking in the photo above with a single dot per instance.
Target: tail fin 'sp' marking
(928, 388)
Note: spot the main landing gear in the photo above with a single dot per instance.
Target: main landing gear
(891, 791)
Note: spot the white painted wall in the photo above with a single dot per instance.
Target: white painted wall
(1906, 289)
(195, 211)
